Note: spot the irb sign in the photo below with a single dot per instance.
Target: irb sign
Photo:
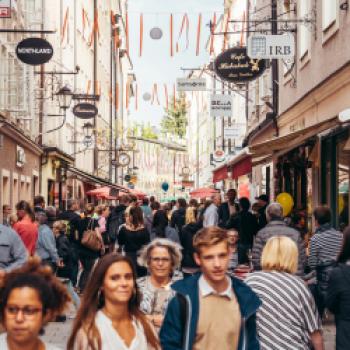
(271, 46)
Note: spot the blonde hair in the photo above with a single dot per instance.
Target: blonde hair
(209, 236)
(280, 254)
(191, 215)
(62, 226)
(173, 248)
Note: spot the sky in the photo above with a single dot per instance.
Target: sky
(156, 65)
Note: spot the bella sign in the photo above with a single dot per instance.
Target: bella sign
(221, 105)
(34, 51)
(236, 66)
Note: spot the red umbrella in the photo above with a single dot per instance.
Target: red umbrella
(101, 192)
(203, 192)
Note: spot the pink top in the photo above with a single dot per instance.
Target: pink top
(28, 231)
(102, 224)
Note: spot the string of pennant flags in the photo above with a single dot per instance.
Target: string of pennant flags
(174, 40)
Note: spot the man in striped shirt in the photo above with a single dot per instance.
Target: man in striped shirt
(325, 246)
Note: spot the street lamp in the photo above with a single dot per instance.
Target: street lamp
(65, 96)
(87, 129)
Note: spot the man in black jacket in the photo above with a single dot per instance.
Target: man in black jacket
(228, 208)
(263, 202)
(115, 219)
(72, 220)
(178, 219)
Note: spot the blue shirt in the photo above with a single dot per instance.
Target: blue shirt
(46, 244)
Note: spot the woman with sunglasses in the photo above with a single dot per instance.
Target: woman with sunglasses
(30, 297)
(109, 316)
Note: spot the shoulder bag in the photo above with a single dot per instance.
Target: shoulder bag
(91, 239)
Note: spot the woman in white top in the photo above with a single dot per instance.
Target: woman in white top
(109, 316)
(30, 297)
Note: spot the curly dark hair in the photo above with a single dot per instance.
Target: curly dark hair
(52, 293)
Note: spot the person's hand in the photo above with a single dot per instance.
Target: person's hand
(157, 320)
(60, 263)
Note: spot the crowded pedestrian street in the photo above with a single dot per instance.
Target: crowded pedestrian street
(174, 175)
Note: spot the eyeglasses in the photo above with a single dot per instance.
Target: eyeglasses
(158, 260)
(27, 311)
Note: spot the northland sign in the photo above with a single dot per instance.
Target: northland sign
(221, 105)
(34, 51)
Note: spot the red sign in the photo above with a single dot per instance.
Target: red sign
(5, 8)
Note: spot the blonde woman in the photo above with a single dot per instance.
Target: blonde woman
(288, 318)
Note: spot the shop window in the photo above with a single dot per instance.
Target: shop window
(329, 13)
(343, 165)
(304, 33)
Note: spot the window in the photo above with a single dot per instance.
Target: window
(304, 33)
(329, 13)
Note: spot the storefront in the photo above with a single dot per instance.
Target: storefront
(19, 165)
(335, 174)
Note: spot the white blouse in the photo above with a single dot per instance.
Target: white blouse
(110, 337)
(4, 346)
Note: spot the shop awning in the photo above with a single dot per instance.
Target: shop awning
(291, 140)
(203, 192)
(240, 164)
(104, 192)
(220, 174)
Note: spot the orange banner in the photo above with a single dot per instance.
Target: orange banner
(242, 30)
(141, 33)
(65, 25)
(171, 35)
(198, 33)
(185, 22)
(155, 94)
(212, 37)
(228, 18)
(127, 32)
(166, 97)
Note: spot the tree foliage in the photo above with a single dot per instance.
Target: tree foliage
(175, 120)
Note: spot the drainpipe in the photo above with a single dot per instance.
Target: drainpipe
(275, 89)
(95, 91)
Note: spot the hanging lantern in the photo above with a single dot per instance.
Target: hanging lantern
(156, 33)
(146, 96)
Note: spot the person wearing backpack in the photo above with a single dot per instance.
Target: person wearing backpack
(115, 219)
(72, 222)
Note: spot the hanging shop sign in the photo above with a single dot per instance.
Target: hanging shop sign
(5, 8)
(271, 46)
(219, 155)
(184, 84)
(221, 105)
(34, 51)
(234, 131)
(85, 110)
(236, 66)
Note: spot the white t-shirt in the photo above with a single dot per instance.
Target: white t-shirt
(110, 337)
(3, 344)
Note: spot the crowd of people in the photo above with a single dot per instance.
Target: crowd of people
(196, 275)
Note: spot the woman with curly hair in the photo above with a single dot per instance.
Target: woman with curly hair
(30, 297)
(109, 316)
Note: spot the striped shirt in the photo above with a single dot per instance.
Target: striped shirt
(325, 245)
(288, 313)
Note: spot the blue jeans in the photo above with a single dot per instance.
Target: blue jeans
(72, 293)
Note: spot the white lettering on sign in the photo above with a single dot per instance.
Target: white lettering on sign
(221, 105)
(31, 50)
(184, 84)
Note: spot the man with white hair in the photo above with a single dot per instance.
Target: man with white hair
(211, 216)
(277, 227)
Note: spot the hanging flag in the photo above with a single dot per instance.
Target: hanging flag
(171, 35)
(65, 25)
(213, 26)
(166, 97)
(155, 94)
(141, 33)
(96, 25)
(127, 32)
(242, 29)
(185, 22)
(228, 18)
(136, 97)
(84, 21)
(198, 33)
